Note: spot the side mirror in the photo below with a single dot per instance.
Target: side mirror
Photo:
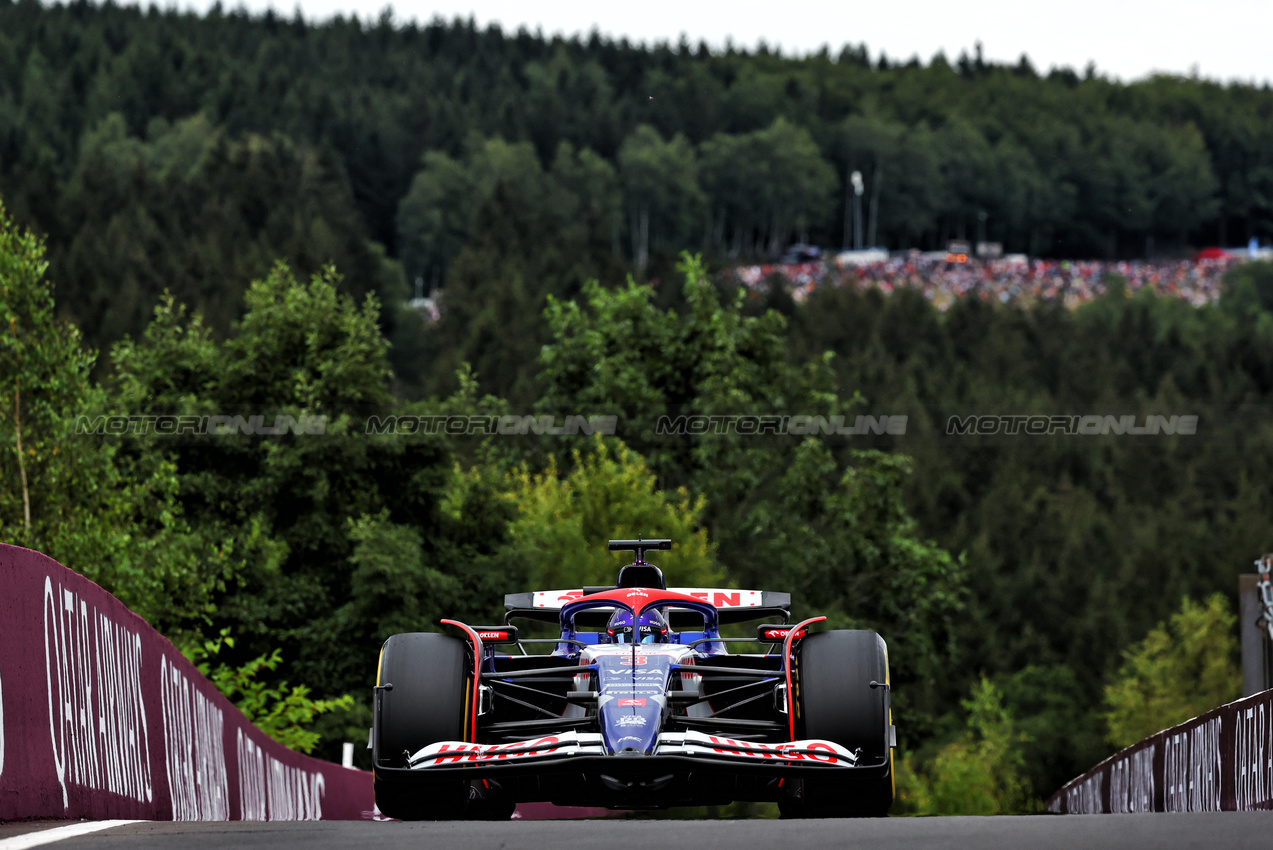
(775, 634)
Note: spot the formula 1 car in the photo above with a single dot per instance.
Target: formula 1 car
(638, 704)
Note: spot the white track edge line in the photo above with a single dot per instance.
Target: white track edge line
(58, 833)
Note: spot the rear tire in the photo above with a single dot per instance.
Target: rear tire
(836, 703)
(430, 676)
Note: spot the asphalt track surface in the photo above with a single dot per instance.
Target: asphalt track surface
(1213, 831)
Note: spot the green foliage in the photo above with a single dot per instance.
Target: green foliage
(980, 773)
(281, 712)
(42, 357)
(1182, 668)
(619, 352)
(168, 150)
(438, 215)
(199, 212)
(905, 158)
(434, 218)
(660, 184)
(847, 541)
(785, 512)
(339, 536)
(502, 234)
(1075, 546)
(302, 350)
(1249, 290)
(165, 151)
(609, 492)
(113, 517)
(1061, 737)
(766, 185)
(394, 587)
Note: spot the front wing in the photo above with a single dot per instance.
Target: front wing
(585, 751)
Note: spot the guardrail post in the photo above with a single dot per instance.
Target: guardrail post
(1256, 655)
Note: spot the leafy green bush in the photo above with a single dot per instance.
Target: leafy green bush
(1182, 668)
(980, 773)
(281, 712)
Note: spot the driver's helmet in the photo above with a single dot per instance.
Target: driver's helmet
(651, 627)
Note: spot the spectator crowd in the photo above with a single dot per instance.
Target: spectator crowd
(1009, 279)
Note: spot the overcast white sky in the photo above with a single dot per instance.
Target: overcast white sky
(1128, 39)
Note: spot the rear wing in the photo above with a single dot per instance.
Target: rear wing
(735, 606)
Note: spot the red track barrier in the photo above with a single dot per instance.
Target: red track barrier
(1219, 761)
(101, 717)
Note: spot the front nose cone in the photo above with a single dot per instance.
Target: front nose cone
(631, 701)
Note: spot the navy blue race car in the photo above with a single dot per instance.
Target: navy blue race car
(637, 704)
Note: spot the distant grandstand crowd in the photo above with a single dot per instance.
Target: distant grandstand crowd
(943, 279)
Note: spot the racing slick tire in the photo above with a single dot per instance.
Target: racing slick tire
(429, 673)
(837, 703)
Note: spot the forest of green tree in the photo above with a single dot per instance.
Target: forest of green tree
(228, 214)
(145, 143)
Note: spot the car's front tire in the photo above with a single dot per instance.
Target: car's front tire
(837, 703)
(430, 677)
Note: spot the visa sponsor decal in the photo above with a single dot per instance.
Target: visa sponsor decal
(625, 721)
(643, 678)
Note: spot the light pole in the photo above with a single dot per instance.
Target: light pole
(856, 180)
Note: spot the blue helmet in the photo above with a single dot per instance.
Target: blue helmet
(651, 627)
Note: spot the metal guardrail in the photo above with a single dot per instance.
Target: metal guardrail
(1219, 761)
